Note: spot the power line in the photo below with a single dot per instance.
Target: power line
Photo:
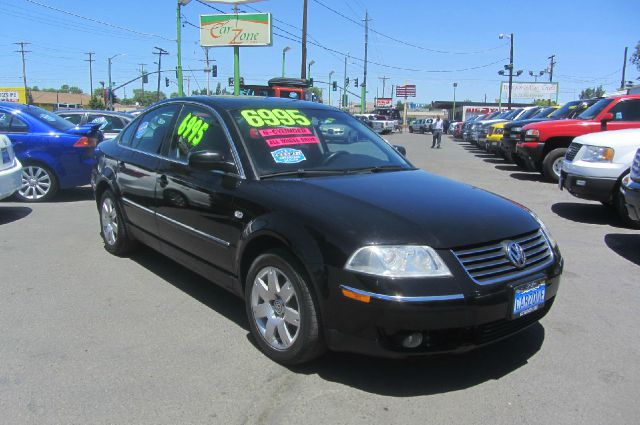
(146, 34)
(402, 41)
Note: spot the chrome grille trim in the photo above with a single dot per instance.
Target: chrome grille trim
(572, 151)
(488, 264)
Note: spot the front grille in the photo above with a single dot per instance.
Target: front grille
(501, 328)
(488, 264)
(635, 168)
(572, 151)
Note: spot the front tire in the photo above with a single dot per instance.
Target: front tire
(113, 228)
(283, 314)
(621, 209)
(552, 164)
(39, 183)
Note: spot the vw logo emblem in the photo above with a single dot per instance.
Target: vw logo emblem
(514, 252)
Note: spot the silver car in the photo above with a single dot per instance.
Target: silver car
(111, 122)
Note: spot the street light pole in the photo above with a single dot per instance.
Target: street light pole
(178, 37)
(109, 93)
(284, 52)
(309, 72)
(453, 115)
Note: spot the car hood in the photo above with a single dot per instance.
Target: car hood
(404, 207)
(560, 124)
(615, 139)
(522, 123)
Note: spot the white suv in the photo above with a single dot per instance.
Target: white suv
(10, 169)
(596, 163)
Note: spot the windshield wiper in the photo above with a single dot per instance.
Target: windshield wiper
(379, 169)
(301, 172)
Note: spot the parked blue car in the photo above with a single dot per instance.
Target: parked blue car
(55, 154)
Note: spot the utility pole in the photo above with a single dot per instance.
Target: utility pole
(510, 71)
(188, 86)
(24, 68)
(453, 115)
(303, 69)
(384, 83)
(624, 69)
(159, 52)
(330, 87)
(363, 91)
(551, 64)
(90, 60)
(142, 79)
(207, 68)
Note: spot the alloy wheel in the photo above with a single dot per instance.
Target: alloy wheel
(109, 221)
(557, 166)
(36, 182)
(275, 308)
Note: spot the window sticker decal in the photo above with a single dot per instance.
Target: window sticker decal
(286, 141)
(140, 131)
(290, 131)
(192, 128)
(274, 117)
(288, 156)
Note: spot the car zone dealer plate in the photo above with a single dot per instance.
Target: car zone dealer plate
(528, 298)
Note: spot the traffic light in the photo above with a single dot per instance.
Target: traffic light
(214, 71)
(177, 73)
(346, 81)
(355, 83)
(145, 78)
(230, 81)
(311, 82)
(166, 81)
(334, 85)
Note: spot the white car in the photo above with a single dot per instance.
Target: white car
(10, 169)
(596, 163)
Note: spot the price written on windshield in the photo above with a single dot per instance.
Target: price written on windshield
(274, 117)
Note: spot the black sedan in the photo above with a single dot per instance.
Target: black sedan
(333, 242)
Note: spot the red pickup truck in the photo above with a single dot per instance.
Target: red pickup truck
(543, 144)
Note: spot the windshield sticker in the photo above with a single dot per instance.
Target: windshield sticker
(286, 141)
(192, 128)
(140, 131)
(295, 131)
(288, 156)
(274, 117)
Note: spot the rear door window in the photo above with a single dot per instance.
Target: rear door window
(153, 128)
(626, 110)
(72, 118)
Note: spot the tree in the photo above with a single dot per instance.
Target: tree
(96, 103)
(544, 102)
(317, 92)
(147, 99)
(219, 88)
(400, 105)
(635, 57)
(201, 92)
(590, 93)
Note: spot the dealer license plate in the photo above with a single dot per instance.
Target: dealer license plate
(528, 298)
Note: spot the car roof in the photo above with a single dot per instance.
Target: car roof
(92, 111)
(242, 102)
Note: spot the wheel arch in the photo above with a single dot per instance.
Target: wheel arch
(557, 142)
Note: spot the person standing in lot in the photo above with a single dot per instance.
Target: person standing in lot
(437, 133)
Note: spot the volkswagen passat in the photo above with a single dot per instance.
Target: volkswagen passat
(333, 242)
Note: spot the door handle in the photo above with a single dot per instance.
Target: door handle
(162, 180)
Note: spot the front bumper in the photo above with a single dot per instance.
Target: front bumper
(590, 188)
(532, 153)
(458, 321)
(10, 180)
(631, 192)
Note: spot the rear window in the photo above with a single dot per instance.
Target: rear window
(49, 118)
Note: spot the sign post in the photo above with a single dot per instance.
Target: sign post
(406, 91)
(236, 30)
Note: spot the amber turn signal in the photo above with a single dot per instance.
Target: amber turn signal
(356, 296)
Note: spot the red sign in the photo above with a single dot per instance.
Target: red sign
(408, 90)
(383, 102)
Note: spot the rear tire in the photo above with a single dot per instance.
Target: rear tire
(39, 183)
(286, 324)
(552, 164)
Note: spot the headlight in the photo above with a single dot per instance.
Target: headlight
(597, 154)
(544, 229)
(397, 261)
(533, 132)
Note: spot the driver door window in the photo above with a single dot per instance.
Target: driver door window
(154, 127)
(627, 110)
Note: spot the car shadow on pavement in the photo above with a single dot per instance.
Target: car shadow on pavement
(508, 167)
(587, 213)
(530, 176)
(11, 214)
(194, 285)
(429, 374)
(625, 245)
(494, 160)
(84, 193)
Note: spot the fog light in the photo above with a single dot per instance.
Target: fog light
(581, 183)
(412, 340)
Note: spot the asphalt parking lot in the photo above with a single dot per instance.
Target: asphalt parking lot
(90, 338)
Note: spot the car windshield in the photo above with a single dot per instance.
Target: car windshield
(542, 113)
(529, 113)
(595, 109)
(566, 110)
(49, 118)
(307, 142)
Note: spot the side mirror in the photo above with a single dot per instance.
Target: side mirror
(607, 117)
(207, 160)
(400, 149)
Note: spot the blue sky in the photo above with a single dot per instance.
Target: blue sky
(588, 38)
